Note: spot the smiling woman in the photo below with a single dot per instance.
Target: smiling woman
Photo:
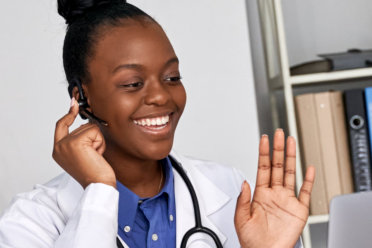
(123, 183)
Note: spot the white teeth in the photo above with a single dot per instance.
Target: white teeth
(157, 121)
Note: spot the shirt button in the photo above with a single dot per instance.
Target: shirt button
(154, 237)
(127, 229)
(171, 217)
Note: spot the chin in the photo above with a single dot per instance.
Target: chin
(157, 152)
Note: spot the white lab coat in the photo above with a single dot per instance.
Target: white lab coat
(61, 214)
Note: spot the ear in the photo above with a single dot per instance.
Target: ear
(76, 94)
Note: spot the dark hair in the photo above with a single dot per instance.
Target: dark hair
(83, 19)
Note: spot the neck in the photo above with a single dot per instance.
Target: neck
(142, 177)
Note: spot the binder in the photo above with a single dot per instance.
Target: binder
(310, 150)
(368, 102)
(358, 139)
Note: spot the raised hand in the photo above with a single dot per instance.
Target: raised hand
(79, 153)
(275, 217)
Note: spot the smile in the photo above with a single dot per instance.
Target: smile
(159, 122)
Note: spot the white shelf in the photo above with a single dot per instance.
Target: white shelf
(317, 219)
(315, 78)
(278, 75)
(330, 76)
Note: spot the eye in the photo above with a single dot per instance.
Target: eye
(173, 79)
(132, 85)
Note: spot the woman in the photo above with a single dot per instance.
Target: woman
(120, 182)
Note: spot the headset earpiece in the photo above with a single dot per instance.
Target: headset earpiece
(83, 104)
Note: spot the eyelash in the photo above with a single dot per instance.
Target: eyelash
(176, 79)
(132, 85)
(172, 80)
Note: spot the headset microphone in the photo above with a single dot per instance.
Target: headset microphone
(83, 105)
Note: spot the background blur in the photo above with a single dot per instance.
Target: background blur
(210, 37)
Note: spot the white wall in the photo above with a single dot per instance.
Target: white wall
(210, 38)
(326, 26)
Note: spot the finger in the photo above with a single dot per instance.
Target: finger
(66, 121)
(243, 205)
(278, 159)
(264, 164)
(307, 186)
(82, 128)
(101, 149)
(90, 135)
(290, 164)
(99, 144)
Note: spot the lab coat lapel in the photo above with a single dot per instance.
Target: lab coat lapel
(210, 197)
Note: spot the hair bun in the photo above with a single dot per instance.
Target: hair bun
(71, 9)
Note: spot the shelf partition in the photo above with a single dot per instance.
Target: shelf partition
(330, 76)
(317, 219)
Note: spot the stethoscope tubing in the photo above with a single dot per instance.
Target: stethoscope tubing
(198, 224)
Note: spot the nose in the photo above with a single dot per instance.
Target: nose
(157, 93)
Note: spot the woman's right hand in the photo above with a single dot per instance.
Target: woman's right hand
(79, 153)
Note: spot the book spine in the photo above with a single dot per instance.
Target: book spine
(328, 145)
(342, 145)
(310, 150)
(358, 139)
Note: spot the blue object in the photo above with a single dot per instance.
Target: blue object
(149, 222)
(368, 101)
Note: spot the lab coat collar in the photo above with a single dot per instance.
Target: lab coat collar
(210, 197)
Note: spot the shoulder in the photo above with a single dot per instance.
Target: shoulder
(34, 211)
(226, 177)
(42, 195)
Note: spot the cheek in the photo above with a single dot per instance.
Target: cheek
(179, 96)
(122, 108)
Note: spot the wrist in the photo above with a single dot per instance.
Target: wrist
(103, 181)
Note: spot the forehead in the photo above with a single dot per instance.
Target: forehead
(132, 42)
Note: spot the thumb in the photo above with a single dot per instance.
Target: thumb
(243, 206)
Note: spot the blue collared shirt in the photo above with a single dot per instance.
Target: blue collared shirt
(149, 222)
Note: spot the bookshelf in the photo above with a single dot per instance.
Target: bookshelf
(279, 78)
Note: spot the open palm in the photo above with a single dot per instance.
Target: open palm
(275, 217)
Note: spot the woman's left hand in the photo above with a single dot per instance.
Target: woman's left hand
(275, 217)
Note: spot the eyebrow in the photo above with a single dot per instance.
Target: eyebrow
(140, 67)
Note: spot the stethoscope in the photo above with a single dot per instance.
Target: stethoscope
(198, 224)
(199, 228)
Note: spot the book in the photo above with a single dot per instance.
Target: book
(328, 146)
(358, 139)
(310, 150)
(324, 144)
(342, 144)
